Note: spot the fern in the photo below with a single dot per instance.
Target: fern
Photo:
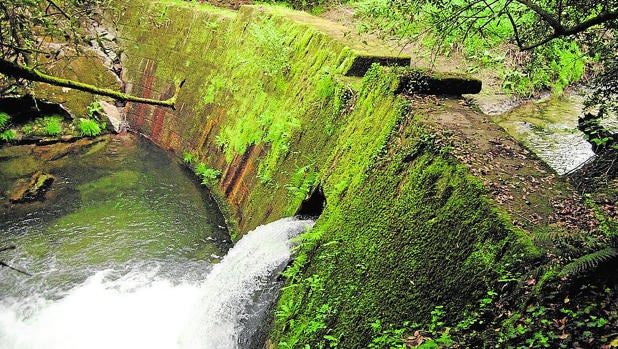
(589, 261)
(551, 238)
(4, 119)
(89, 127)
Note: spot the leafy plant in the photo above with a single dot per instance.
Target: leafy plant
(53, 125)
(27, 129)
(189, 157)
(273, 52)
(208, 174)
(4, 119)
(94, 109)
(589, 261)
(89, 127)
(200, 168)
(7, 135)
(391, 339)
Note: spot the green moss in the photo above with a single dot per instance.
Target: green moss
(406, 227)
(403, 247)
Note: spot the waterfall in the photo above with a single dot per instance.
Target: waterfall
(147, 308)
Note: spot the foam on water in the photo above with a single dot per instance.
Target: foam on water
(147, 308)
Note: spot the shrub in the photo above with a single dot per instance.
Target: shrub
(210, 175)
(94, 109)
(89, 127)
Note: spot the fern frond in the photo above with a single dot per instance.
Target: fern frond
(551, 238)
(589, 261)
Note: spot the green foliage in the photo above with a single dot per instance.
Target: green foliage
(302, 181)
(4, 119)
(7, 135)
(208, 175)
(27, 129)
(553, 66)
(266, 122)
(215, 85)
(52, 125)
(394, 18)
(589, 261)
(189, 158)
(94, 109)
(387, 338)
(483, 34)
(89, 127)
(24, 22)
(272, 51)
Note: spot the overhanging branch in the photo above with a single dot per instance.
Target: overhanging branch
(22, 72)
(555, 22)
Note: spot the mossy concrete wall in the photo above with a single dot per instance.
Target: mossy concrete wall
(257, 81)
(273, 101)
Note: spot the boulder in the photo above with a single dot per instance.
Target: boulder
(114, 117)
(32, 189)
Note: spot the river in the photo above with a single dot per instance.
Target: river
(129, 251)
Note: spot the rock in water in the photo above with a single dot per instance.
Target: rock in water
(114, 117)
(31, 190)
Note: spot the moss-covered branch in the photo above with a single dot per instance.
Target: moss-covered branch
(22, 72)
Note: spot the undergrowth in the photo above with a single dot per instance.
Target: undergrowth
(554, 66)
(6, 134)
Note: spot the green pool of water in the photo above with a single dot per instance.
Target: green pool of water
(116, 201)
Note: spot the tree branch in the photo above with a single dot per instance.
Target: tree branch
(18, 71)
(602, 18)
(59, 9)
(546, 16)
(515, 30)
(13, 268)
(3, 264)
(555, 22)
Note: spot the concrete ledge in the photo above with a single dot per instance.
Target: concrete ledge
(362, 63)
(423, 82)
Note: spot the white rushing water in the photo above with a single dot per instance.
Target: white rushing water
(144, 308)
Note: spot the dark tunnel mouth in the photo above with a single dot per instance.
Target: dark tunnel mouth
(313, 205)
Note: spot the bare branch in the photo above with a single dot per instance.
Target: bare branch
(546, 16)
(515, 30)
(600, 19)
(59, 9)
(13, 268)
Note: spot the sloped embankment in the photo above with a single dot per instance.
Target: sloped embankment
(419, 212)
